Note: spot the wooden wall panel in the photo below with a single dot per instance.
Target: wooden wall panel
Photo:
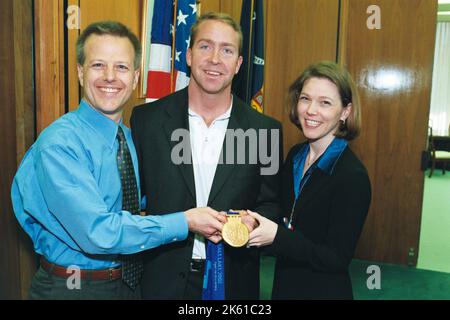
(127, 12)
(23, 66)
(393, 70)
(17, 264)
(209, 5)
(299, 32)
(49, 61)
(73, 95)
(9, 246)
(233, 8)
(25, 121)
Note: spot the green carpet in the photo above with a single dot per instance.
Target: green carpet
(266, 277)
(397, 282)
(434, 245)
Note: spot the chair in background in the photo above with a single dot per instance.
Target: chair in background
(437, 156)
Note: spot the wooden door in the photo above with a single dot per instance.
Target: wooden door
(392, 67)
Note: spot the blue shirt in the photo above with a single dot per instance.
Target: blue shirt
(67, 195)
(325, 163)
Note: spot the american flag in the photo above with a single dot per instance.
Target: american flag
(170, 18)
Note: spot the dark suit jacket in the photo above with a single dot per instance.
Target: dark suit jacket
(171, 188)
(313, 260)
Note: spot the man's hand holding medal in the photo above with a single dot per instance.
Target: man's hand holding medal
(236, 227)
(242, 229)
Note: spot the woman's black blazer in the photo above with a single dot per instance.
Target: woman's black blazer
(313, 260)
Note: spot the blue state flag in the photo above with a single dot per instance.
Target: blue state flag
(249, 83)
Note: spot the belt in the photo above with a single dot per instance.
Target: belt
(63, 272)
(197, 265)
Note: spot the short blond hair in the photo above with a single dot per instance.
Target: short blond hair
(217, 16)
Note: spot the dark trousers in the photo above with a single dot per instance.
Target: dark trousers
(46, 286)
(194, 286)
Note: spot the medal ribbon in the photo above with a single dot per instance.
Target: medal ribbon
(214, 278)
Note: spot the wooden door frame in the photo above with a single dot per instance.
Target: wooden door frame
(390, 245)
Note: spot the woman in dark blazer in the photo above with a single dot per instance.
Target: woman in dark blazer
(325, 191)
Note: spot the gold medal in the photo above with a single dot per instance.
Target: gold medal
(234, 232)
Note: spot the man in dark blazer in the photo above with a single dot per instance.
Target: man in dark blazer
(171, 272)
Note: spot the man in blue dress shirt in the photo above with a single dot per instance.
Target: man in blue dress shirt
(67, 193)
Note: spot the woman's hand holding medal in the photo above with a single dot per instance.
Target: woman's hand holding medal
(236, 227)
(262, 236)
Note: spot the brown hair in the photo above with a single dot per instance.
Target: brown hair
(217, 16)
(111, 28)
(348, 130)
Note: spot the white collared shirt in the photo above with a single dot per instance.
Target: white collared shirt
(206, 146)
